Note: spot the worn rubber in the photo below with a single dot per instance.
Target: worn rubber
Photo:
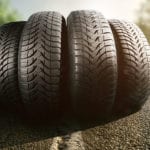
(93, 64)
(133, 53)
(41, 64)
(9, 42)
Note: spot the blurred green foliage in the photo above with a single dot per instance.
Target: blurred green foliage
(7, 13)
(143, 19)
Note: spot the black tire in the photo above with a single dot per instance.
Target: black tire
(133, 53)
(9, 42)
(41, 64)
(93, 64)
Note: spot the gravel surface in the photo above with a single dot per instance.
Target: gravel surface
(128, 133)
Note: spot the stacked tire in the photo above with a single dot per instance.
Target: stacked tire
(40, 62)
(92, 65)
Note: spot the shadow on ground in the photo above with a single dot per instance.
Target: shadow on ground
(15, 131)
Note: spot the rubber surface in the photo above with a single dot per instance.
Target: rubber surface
(9, 42)
(93, 64)
(40, 64)
(133, 66)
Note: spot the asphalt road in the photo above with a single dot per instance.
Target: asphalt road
(128, 133)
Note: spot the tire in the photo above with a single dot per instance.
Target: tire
(133, 53)
(9, 42)
(93, 64)
(41, 67)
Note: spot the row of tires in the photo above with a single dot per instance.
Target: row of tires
(92, 65)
